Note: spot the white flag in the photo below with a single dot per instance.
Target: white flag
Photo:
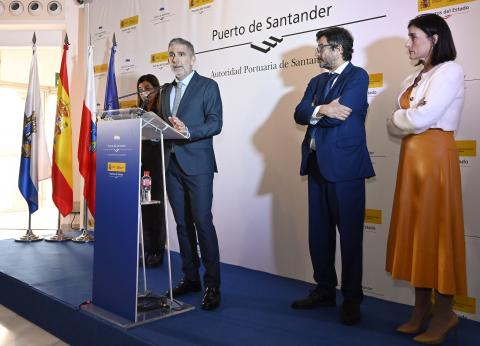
(35, 162)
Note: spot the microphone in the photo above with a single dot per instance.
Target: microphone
(166, 85)
(145, 93)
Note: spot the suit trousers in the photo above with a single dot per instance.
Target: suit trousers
(336, 205)
(191, 197)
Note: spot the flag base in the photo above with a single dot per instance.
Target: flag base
(58, 237)
(29, 237)
(85, 237)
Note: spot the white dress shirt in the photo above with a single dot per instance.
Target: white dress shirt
(185, 83)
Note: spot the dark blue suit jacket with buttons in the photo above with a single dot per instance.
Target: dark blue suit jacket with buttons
(341, 147)
(201, 110)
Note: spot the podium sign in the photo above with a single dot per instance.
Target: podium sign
(115, 261)
(118, 235)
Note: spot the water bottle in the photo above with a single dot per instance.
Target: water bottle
(146, 187)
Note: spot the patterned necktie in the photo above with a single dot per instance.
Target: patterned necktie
(178, 96)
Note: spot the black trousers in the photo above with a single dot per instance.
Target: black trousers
(154, 235)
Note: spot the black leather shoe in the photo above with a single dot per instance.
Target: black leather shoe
(314, 299)
(185, 286)
(350, 313)
(154, 260)
(211, 298)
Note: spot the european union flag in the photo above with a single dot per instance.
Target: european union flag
(111, 94)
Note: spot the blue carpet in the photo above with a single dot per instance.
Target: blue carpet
(46, 283)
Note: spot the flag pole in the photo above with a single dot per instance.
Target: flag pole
(29, 236)
(62, 176)
(59, 236)
(85, 237)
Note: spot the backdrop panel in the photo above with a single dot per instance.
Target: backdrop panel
(260, 201)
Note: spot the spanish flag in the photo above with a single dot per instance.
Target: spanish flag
(62, 178)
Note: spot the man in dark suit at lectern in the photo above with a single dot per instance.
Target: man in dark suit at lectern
(336, 159)
(193, 106)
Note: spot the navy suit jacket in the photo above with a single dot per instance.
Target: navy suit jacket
(341, 147)
(201, 110)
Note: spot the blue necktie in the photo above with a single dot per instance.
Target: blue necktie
(312, 129)
(328, 85)
(178, 96)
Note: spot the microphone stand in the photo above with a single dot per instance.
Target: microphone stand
(159, 88)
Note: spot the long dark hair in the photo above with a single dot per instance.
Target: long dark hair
(150, 78)
(432, 24)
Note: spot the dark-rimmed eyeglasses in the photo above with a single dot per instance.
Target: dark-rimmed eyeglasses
(321, 47)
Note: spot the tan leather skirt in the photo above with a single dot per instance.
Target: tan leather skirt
(426, 244)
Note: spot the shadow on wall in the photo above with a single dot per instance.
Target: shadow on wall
(279, 140)
(387, 56)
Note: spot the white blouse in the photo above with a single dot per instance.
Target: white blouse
(436, 101)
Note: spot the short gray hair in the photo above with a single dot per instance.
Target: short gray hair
(186, 43)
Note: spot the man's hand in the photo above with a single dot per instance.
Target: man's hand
(178, 125)
(335, 110)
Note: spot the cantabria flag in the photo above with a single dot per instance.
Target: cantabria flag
(87, 143)
(34, 162)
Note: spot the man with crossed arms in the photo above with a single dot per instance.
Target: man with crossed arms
(336, 160)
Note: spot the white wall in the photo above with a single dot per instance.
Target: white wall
(260, 207)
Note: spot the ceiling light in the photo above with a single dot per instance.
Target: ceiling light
(35, 8)
(16, 8)
(54, 8)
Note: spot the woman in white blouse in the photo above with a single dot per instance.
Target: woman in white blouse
(426, 245)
